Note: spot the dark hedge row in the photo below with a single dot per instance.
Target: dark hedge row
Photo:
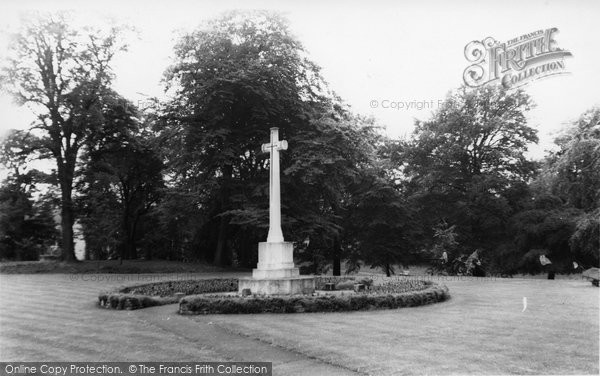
(153, 294)
(195, 305)
(127, 301)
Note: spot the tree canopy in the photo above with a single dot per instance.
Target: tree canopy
(464, 165)
(61, 73)
(185, 178)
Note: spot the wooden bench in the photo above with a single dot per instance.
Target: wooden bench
(593, 274)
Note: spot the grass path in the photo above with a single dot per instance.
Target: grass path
(52, 318)
(481, 330)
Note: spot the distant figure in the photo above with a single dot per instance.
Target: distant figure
(473, 264)
(545, 260)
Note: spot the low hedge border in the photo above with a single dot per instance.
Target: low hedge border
(154, 294)
(129, 301)
(221, 304)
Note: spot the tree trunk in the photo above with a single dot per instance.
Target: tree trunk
(337, 262)
(242, 249)
(148, 253)
(124, 246)
(66, 171)
(66, 223)
(220, 252)
(388, 270)
(132, 246)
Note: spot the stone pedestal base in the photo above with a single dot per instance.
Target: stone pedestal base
(275, 273)
(275, 260)
(279, 286)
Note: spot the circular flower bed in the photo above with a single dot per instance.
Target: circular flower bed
(397, 294)
(209, 296)
(153, 294)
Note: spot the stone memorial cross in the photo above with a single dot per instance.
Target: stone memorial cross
(275, 273)
(273, 148)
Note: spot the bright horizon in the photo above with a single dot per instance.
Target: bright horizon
(410, 52)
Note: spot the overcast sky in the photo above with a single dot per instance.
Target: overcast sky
(377, 50)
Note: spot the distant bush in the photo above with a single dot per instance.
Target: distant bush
(129, 301)
(586, 238)
(153, 294)
(307, 303)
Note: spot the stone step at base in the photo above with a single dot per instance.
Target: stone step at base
(278, 286)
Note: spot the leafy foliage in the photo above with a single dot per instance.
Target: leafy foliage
(585, 240)
(27, 226)
(380, 225)
(467, 167)
(573, 172)
(61, 73)
(186, 179)
(566, 194)
(328, 303)
(233, 80)
(122, 181)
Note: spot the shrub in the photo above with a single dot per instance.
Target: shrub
(153, 294)
(320, 303)
(127, 301)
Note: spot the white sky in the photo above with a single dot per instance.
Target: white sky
(377, 50)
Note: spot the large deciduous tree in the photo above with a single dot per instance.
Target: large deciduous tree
(571, 177)
(573, 171)
(466, 166)
(61, 73)
(234, 79)
(333, 158)
(122, 180)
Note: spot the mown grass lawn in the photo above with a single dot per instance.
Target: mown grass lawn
(481, 330)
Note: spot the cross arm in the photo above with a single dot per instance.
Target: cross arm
(279, 145)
